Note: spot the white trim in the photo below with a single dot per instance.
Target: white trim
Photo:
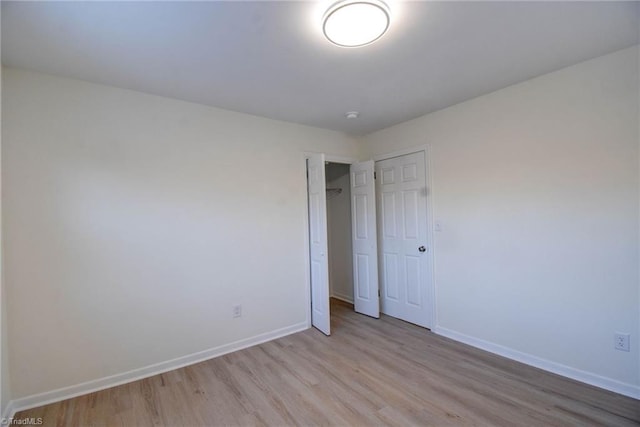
(426, 149)
(344, 298)
(625, 389)
(340, 159)
(330, 158)
(306, 253)
(402, 152)
(9, 411)
(430, 234)
(147, 371)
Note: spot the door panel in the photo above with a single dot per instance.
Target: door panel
(401, 199)
(414, 291)
(320, 314)
(365, 247)
(388, 212)
(409, 172)
(361, 224)
(387, 175)
(362, 279)
(411, 213)
(391, 276)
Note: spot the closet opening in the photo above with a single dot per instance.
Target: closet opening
(340, 250)
(342, 238)
(357, 222)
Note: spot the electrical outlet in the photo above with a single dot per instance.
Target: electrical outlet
(621, 341)
(237, 311)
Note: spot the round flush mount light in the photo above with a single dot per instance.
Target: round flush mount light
(355, 23)
(352, 115)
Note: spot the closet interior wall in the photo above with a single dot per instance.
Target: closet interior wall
(339, 231)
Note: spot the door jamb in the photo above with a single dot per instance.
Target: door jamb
(306, 253)
(431, 286)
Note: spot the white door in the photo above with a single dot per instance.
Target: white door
(403, 238)
(366, 297)
(320, 314)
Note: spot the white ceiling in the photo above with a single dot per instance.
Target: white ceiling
(270, 59)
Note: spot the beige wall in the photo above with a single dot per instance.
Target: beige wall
(5, 392)
(536, 187)
(133, 224)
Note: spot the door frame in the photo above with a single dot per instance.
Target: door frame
(431, 284)
(306, 252)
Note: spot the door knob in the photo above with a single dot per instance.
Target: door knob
(422, 249)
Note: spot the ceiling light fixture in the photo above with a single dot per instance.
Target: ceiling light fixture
(355, 23)
(352, 115)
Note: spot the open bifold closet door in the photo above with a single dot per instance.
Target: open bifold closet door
(318, 242)
(366, 295)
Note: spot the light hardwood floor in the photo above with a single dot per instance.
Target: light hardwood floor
(369, 372)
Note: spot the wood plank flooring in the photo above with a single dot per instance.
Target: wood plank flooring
(369, 372)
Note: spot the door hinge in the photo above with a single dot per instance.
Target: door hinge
(378, 293)
(374, 175)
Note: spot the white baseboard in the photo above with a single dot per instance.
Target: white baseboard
(344, 298)
(36, 400)
(625, 389)
(45, 398)
(8, 412)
